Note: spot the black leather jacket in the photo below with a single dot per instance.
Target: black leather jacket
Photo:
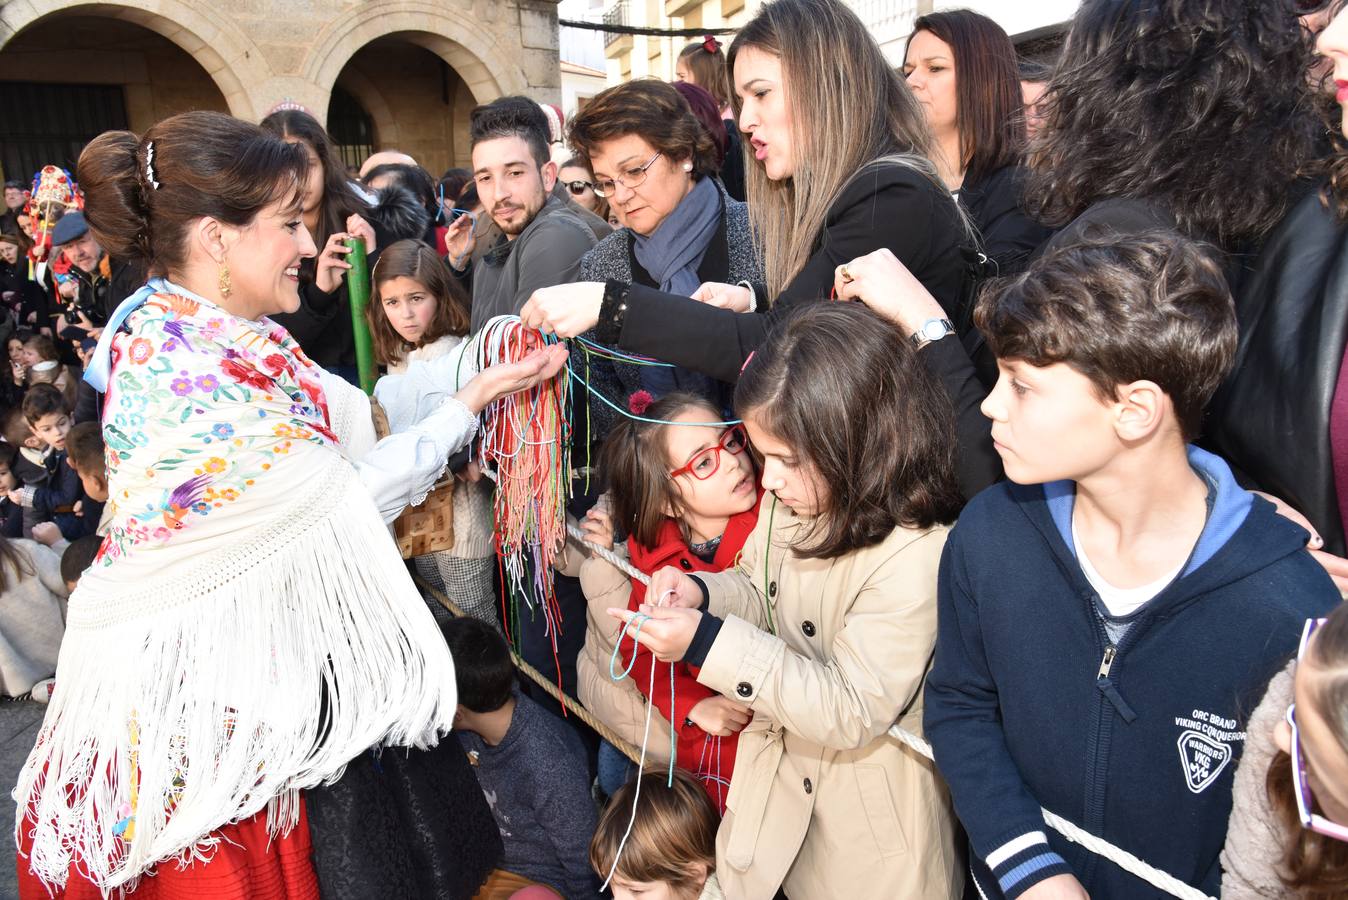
(1270, 419)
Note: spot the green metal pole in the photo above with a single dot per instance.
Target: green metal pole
(358, 290)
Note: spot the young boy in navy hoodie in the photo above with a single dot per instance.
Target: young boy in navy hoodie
(1110, 617)
(44, 406)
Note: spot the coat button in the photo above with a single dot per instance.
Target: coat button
(685, 563)
(808, 627)
(744, 689)
(772, 589)
(809, 786)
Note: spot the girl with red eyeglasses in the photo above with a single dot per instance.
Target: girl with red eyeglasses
(1288, 836)
(686, 495)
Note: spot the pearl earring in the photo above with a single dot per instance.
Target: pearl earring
(688, 167)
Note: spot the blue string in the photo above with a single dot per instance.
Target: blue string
(638, 418)
(640, 618)
(612, 353)
(613, 660)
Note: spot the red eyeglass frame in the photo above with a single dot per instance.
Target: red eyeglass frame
(716, 449)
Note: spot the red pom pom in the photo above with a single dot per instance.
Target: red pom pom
(639, 402)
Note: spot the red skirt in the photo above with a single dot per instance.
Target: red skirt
(246, 865)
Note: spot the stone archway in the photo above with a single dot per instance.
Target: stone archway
(487, 69)
(228, 55)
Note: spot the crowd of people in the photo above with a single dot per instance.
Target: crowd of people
(1000, 400)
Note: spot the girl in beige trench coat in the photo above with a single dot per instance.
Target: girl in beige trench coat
(826, 627)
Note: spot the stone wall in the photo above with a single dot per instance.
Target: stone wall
(258, 53)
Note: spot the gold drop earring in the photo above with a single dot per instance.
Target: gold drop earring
(226, 286)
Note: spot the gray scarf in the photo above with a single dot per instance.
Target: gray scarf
(672, 253)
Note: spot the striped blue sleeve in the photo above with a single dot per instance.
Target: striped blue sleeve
(1023, 862)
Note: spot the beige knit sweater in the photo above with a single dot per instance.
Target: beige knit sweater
(1254, 837)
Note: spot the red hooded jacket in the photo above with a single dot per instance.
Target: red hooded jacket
(696, 751)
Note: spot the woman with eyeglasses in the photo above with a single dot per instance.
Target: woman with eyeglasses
(655, 163)
(579, 180)
(1288, 836)
(840, 170)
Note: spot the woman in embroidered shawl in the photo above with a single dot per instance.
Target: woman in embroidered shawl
(248, 627)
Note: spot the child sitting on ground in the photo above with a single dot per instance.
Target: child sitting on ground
(670, 853)
(531, 767)
(46, 411)
(86, 455)
(686, 494)
(416, 314)
(11, 514)
(1110, 616)
(79, 555)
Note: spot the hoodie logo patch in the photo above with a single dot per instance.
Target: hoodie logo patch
(1203, 759)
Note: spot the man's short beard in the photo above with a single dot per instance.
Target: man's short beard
(513, 230)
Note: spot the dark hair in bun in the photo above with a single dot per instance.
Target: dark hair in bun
(203, 164)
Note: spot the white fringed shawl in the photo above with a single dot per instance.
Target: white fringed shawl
(249, 627)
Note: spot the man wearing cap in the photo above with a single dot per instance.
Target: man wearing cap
(100, 282)
(83, 287)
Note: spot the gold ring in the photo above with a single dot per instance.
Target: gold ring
(846, 275)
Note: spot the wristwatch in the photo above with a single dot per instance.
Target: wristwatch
(931, 330)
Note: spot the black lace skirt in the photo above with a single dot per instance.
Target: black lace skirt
(403, 824)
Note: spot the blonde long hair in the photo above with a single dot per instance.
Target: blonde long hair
(849, 110)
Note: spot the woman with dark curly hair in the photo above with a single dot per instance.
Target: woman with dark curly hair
(1282, 416)
(1193, 114)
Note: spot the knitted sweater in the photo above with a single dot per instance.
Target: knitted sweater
(1255, 838)
(732, 256)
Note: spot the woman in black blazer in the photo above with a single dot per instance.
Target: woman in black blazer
(833, 179)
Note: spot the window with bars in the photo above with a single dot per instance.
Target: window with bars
(49, 124)
(350, 127)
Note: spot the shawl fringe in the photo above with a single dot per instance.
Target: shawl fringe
(192, 701)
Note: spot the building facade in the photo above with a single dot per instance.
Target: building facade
(380, 74)
(637, 56)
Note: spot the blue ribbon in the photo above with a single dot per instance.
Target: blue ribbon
(99, 370)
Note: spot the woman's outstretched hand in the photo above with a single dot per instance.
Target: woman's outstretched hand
(565, 310)
(884, 284)
(501, 379)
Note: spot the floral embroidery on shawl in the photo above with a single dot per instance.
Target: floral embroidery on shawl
(201, 403)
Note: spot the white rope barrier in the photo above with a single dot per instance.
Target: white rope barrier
(1128, 862)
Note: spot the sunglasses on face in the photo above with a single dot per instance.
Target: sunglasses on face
(704, 463)
(1301, 785)
(578, 187)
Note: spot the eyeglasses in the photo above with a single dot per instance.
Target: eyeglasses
(704, 463)
(578, 187)
(1300, 783)
(629, 179)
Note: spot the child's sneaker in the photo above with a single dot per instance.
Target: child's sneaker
(42, 691)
